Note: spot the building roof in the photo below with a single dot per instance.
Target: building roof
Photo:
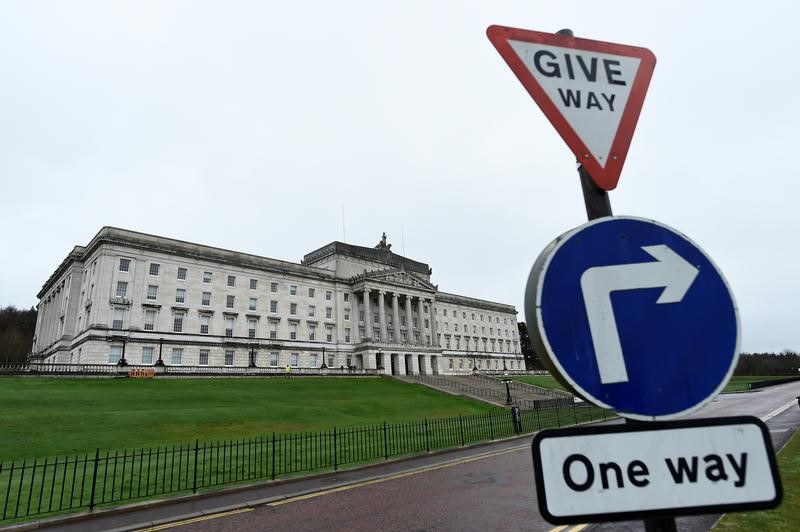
(382, 255)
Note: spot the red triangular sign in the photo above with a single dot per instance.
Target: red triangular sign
(591, 91)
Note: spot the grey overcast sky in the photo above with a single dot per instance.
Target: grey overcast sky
(248, 125)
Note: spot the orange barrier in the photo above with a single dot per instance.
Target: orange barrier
(142, 373)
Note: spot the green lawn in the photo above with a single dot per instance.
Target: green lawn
(48, 417)
(741, 383)
(544, 381)
(784, 517)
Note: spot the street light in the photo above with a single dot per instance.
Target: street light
(379, 356)
(507, 382)
(122, 361)
(252, 357)
(160, 361)
(323, 366)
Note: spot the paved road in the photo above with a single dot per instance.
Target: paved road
(490, 488)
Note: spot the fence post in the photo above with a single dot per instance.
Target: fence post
(94, 478)
(194, 479)
(538, 419)
(273, 456)
(427, 441)
(335, 458)
(385, 443)
(491, 427)
(461, 427)
(558, 416)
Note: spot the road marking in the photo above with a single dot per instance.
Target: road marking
(778, 411)
(576, 528)
(397, 476)
(196, 520)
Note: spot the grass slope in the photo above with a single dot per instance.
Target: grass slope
(544, 381)
(784, 517)
(47, 417)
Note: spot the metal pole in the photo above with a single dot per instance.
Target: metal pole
(598, 206)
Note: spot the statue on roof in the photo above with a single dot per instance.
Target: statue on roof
(382, 244)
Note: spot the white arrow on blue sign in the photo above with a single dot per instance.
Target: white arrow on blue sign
(634, 316)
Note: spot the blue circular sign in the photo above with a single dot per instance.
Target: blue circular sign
(634, 316)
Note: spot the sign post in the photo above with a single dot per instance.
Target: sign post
(630, 314)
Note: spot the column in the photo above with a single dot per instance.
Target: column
(382, 314)
(367, 316)
(434, 332)
(396, 316)
(426, 365)
(409, 321)
(421, 320)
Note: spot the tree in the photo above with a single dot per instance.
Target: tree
(16, 333)
(532, 359)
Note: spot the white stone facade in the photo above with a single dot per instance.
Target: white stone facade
(143, 298)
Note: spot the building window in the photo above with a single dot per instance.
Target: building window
(232, 281)
(450, 363)
(181, 274)
(293, 331)
(180, 295)
(147, 355)
(115, 354)
(273, 287)
(347, 297)
(444, 312)
(328, 295)
(228, 327)
(312, 310)
(203, 360)
(207, 276)
(253, 302)
(229, 357)
(294, 358)
(347, 334)
(402, 321)
(427, 323)
(273, 306)
(312, 332)
(311, 292)
(293, 309)
(292, 289)
(375, 318)
(328, 313)
(229, 301)
(119, 317)
(313, 360)
(177, 322)
(273, 359)
(360, 315)
(149, 320)
(122, 289)
(205, 319)
(206, 300)
(251, 328)
(331, 360)
(376, 334)
(154, 268)
(329, 334)
(177, 356)
(273, 330)
(416, 322)
(124, 265)
(403, 337)
(253, 284)
(152, 292)
(347, 314)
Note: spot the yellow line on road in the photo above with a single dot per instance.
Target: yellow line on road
(197, 520)
(566, 528)
(396, 476)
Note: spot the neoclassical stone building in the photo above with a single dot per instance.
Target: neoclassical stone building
(147, 299)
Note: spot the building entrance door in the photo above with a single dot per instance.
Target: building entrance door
(409, 364)
(394, 363)
(435, 365)
(421, 364)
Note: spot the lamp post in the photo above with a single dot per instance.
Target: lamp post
(122, 361)
(160, 361)
(507, 382)
(323, 366)
(379, 356)
(252, 357)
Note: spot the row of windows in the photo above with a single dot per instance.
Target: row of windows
(454, 313)
(154, 270)
(481, 363)
(176, 357)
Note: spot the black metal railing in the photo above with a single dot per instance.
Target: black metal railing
(85, 481)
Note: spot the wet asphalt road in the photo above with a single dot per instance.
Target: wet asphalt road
(491, 491)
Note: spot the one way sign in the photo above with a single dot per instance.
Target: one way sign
(633, 316)
(591, 91)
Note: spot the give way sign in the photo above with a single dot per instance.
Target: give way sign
(591, 91)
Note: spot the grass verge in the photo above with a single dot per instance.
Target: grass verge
(784, 517)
